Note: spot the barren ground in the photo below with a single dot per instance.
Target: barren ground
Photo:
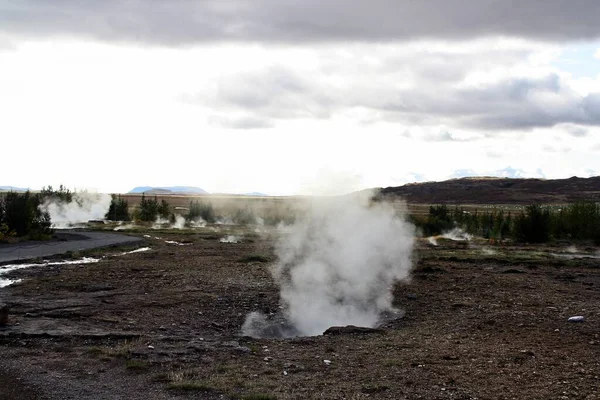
(481, 323)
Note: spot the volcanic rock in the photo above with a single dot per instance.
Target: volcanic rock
(351, 330)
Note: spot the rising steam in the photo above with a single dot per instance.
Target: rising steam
(83, 208)
(336, 266)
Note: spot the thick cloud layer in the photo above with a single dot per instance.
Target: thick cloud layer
(175, 22)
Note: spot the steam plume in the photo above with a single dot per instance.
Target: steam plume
(336, 266)
(83, 208)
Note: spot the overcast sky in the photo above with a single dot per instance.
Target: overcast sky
(288, 97)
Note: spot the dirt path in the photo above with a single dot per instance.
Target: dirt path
(70, 242)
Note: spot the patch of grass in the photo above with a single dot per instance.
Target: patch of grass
(121, 350)
(221, 369)
(393, 363)
(137, 365)
(255, 258)
(254, 348)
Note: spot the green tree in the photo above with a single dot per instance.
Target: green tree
(198, 209)
(20, 214)
(148, 209)
(164, 210)
(63, 194)
(118, 210)
(533, 225)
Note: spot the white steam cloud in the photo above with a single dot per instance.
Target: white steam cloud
(336, 266)
(83, 208)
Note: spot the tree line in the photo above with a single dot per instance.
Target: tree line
(534, 224)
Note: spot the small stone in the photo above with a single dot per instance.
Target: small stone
(411, 296)
(151, 347)
(267, 359)
(285, 373)
(327, 362)
(577, 318)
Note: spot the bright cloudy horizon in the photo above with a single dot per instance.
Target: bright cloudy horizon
(296, 97)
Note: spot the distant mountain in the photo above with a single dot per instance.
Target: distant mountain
(168, 190)
(258, 194)
(12, 189)
(491, 190)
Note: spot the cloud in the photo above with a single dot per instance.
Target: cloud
(177, 22)
(240, 122)
(275, 92)
(575, 130)
(507, 172)
(391, 88)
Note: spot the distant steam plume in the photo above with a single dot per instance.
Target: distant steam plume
(336, 266)
(83, 208)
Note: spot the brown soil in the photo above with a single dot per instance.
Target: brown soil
(162, 324)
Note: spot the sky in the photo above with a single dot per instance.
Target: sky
(296, 97)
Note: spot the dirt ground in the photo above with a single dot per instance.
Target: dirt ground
(481, 322)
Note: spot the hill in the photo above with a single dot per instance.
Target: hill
(12, 189)
(169, 190)
(486, 190)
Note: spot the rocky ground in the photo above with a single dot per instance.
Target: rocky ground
(481, 322)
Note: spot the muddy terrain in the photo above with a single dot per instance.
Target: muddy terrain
(480, 322)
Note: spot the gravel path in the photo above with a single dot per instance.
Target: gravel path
(74, 242)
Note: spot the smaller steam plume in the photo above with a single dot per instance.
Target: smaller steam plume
(457, 234)
(336, 266)
(82, 208)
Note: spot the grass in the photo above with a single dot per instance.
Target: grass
(137, 365)
(224, 379)
(121, 350)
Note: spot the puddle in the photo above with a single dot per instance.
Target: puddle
(177, 243)
(4, 269)
(140, 250)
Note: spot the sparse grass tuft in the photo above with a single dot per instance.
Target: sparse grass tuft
(137, 365)
(121, 350)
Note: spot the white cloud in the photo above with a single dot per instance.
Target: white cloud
(255, 117)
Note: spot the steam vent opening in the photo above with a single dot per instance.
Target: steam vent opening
(258, 325)
(336, 267)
